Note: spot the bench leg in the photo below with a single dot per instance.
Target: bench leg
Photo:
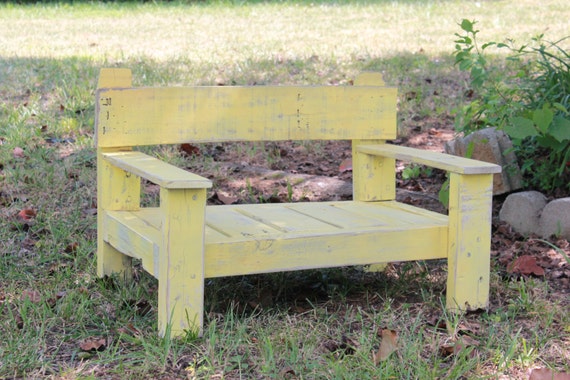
(116, 190)
(181, 267)
(111, 261)
(470, 201)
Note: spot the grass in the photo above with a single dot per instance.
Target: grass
(306, 325)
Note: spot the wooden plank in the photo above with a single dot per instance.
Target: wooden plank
(340, 217)
(132, 235)
(286, 219)
(181, 270)
(374, 176)
(116, 190)
(295, 252)
(437, 160)
(114, 78)
(231, 223)
(470, 200)
(144, 116)
(391, 214)
(157, 171)
(416, 210)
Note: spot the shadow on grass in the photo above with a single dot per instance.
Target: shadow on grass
(52, 100)
(51, 258)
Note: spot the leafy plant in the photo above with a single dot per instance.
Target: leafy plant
(529, 99)
(414, 171)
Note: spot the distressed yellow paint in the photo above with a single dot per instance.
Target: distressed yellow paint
(156, 171)
(369, 78)
(116, 190)
(183, 241)
(470, 199)
(181, 268)
(114, 78)
(246, 239)
(374, 176)
(147, 116)
(437, 160)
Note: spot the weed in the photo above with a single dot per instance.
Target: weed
(530, 103)
(414, 171)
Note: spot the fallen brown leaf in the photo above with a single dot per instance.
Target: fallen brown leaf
(32, 295)
(548, 374)
(129, 329)
(93, 344)
(27, 214)
(72, 247)
(525, 265)
(189, 150)
(456, 346)
(388, 345)
(18, 152)
(345, 165)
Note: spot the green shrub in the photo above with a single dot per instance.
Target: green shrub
(528, 97)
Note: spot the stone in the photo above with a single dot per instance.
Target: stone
(523, 211)
(555, 219)
(491, 145)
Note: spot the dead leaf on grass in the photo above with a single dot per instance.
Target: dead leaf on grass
(347, 346)
(547, 374)
(27, 214)
(345, 165)
(189, 149)
(287, 373)
(388, 345)
(31, 295)
(93, 344)
(525, 265)
(129, 329)
(456, 346)
(72, 247)
(19, 321)
(18, 152)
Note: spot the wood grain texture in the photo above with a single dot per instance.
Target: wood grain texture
(148, 116)
(470, 201)
(156, 171)
(183, 241)
(437, 160)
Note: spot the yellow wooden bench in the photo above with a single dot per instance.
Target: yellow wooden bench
(183, 241)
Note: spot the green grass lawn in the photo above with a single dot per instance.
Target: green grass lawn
(51, 303)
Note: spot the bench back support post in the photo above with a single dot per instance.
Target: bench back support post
(374, 177)
(116, 190)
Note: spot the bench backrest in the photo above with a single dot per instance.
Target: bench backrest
(127, 116)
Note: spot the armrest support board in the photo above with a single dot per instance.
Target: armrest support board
(157, 171)
(442, 161)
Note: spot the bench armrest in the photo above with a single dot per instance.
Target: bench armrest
(437, 160)
(157, 171)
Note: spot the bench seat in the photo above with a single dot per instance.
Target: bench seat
(245, 239)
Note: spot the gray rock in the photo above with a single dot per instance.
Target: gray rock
(523, 211)
(491, 145)
(555, 219)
